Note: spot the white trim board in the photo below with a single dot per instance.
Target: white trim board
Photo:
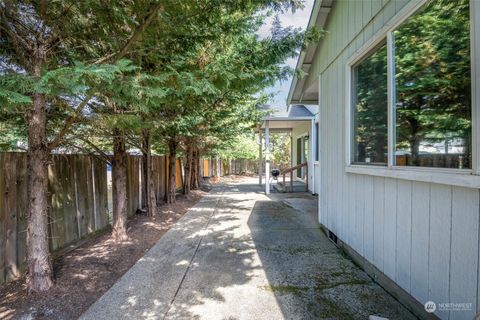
(460, 179)
(475, 76)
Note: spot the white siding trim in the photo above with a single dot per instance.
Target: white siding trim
(312, 152)
(391, 114)
(475, 76)
(348, 114)
(461, 178)
(319, 146)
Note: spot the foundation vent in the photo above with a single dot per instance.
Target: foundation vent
(332, 237)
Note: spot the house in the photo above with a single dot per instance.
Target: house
(397, 84)
(301, 123)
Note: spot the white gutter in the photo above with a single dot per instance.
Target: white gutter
(288, 119)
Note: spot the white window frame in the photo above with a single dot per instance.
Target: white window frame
(317, 125)
(459, 177)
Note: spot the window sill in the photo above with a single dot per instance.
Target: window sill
(455, 177)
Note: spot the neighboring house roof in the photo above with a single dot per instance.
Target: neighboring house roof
(297, 93)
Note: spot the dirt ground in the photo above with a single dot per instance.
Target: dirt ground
(84, 274)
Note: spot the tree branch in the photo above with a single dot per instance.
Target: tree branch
(101, 154)
(69, 122)
(152, 12)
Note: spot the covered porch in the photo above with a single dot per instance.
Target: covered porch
(299, 123)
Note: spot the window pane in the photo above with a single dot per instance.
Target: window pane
(370, 109)
(433, 92)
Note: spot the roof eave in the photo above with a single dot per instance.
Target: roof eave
(313, 19)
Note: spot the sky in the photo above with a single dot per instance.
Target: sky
(299, 19)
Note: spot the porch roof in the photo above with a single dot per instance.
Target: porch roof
(286, 120)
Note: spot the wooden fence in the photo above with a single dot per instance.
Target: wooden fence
(214, 167)
(78, 192)
(244, 166)
(77, 187)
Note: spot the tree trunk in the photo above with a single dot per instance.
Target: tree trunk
(194, 185)
(119, 187)
(194, 170)
(172, 157)
(188, 170)
(150, 197)
(199, 174)
(414, 149)
(39, 276)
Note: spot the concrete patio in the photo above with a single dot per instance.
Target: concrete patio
(239, 254)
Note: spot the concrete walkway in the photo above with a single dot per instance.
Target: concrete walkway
(239, 254)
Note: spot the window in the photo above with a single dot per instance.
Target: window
(370, 108)
(431, 104)
(433, 87)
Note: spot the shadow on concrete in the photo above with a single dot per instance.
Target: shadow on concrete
(310, 277)
(241, 255)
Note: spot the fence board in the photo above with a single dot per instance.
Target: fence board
(71, 217)
(133, 185)
(82, 193)
(100, 186)
(158, 164)
(22, 207)
(56, 194)
(178, 174)
(90, 195)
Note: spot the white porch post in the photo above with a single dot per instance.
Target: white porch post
(260, 160)
(313, 147)
(267, 157)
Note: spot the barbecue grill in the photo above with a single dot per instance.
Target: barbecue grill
(275, 173)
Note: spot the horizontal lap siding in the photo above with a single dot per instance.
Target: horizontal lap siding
(423, 236)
